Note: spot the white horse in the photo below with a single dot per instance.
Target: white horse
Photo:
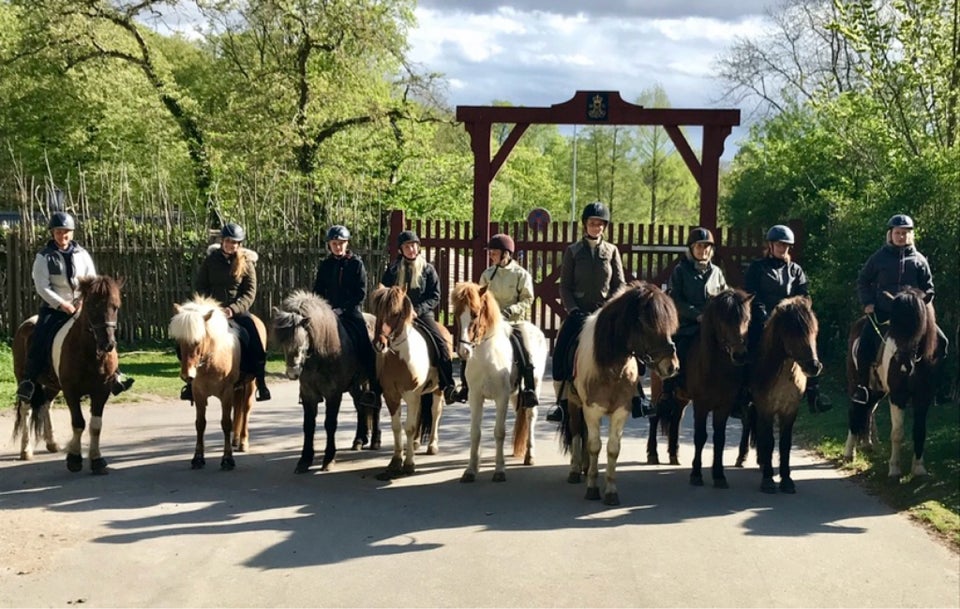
(405, 373)
(484, 343)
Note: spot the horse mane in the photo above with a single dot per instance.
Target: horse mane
(102, 286)
(639, 304)
(392, 301)
(793, 318)
(730, 307)
(189, 323)
(913, 322)
(322, 323)
(471, 295)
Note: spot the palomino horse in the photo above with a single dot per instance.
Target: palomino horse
(405, 373)
(84, 363)
(908, 359)
(210, 359)
(787, 356)
(712, 379)
(319, 352)
(484, 343)
(636, 323)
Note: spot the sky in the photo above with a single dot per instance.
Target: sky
(540, 52)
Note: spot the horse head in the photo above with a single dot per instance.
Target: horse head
(290, 332)
(394, 313)
(641, 320)
(913, 329)
(476, 315)
(794, 326)
(194, 326)
(726, 318)
(100, 297)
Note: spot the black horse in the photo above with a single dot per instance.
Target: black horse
(906, 371)
(318, 351)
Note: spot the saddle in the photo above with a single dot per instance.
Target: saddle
(432, 347)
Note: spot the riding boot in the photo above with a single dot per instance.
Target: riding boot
(816, 401)
(464, 392)
(559, 412)
(665, 401)
(741, 403)
(528, 396)
(367, 398)
(187, 392)
(121, 383)
(263, 394)
(641, 406)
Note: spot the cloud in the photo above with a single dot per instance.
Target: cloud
(669, 9)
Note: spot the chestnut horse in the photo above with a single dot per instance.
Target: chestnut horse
(638, 322)
(319, 353)
(405, 373)
(906, 371)
(84, 363)
(210, 360)
(484, 343)
(712, 379)
(787, 357)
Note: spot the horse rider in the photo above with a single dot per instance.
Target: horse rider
(419, 278)
(57, 270)
(771, 279)
(229, 275)
(694, 281)
(512, 287)
(893, 267)
(591, 273)
(342, 281)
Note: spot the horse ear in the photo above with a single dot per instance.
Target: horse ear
(274, 311)
(887, 295)
(304, 322)
(176, 308)
(208, 315)
(121, 281)
(749, 298)
(483, 289)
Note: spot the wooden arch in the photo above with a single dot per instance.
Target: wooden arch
(591, 108)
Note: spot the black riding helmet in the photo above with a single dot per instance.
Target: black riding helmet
(595, 210)
(900, 221)
(700, 235)
(407, 236)
(338, 232)
(233, 231)
(62, 220)
(780, 233)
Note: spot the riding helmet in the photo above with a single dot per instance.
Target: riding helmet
(501, 242)
(406, 236)
(61, 219)
(700, 235)
(900, 221)
(595, 210)
(233, 231)
(338, 232)
(780, 233)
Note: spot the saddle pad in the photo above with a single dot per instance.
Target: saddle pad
(57, 352)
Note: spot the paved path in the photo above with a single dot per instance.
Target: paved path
(155, 533)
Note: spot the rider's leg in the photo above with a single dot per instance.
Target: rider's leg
(867, 350)
(528, 391)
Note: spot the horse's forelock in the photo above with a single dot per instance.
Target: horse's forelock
(792, 319)
(321, 327)
(189, 324)
(908, 318)
(661, 312)
(100, 286)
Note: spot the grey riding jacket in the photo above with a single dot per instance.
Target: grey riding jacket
(55, 279)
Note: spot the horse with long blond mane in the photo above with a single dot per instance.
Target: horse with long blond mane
(210, 359)
(636, 323)
(405, 373)
(484, 343)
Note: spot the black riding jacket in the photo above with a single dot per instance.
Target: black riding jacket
(342, 282)
(425, 298)
(890, 269)
(771, 280)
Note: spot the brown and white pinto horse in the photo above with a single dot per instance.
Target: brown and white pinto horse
(84, 363)
(912, 350)
(787, 357)
(484, 343)
(210, 359)
(636, 323)
(405, 373)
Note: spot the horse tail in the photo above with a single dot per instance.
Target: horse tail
(37, 415)
(521, 431)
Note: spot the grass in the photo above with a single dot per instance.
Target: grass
(933, 500)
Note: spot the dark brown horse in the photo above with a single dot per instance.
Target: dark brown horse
(787, 357)
(711, 380)
(83, 363)
(906, 371)
(636, 323)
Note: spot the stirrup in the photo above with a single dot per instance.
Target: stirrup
(263, 394)
(861, 395)
(25, 390)
(558, 413)
(187, 392)
(641, 406)
(450, 394)
(121, 384)
(529, 399)
(367, 399)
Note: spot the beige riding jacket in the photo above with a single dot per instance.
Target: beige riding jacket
(512, 287)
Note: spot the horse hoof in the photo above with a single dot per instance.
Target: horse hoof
(739, 462)
(593, 493)
(499, 476)
(74, 462)
(327, 465)
(696, 479)
(357, 445)
(787, 486)
(468, 477)
(767, 485)
(374, 446)
(720, 483)
(432, 450)
(98, 466)
(528, 460)
(303, 466)
(653, 459)
(26, 456)
(408, 469)
(573, 478)
(53, 447)
(233, 443)
(242, 447)
(611, 499)
(198, 463)
(227, 464)
(674, 460)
